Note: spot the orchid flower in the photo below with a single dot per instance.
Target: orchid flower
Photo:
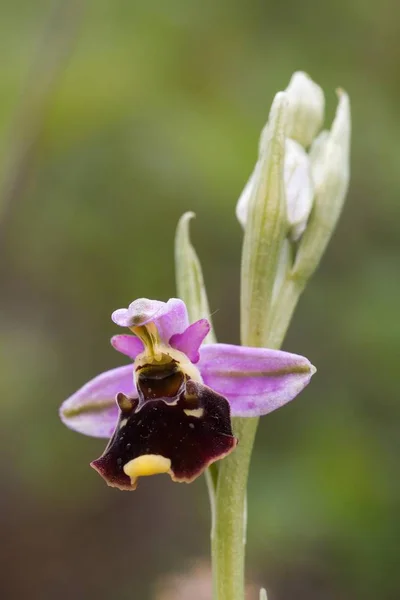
(170, 412)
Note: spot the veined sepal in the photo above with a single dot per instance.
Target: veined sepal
(189, 276)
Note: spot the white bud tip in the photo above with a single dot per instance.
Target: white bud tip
(306, 108)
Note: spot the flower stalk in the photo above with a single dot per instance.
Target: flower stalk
(227, 480)
(230, 519)
(289, 209)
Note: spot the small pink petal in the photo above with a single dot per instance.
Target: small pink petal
(191, 339)
(129, 345)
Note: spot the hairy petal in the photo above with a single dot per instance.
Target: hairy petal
(191, 339)
(129, 345)
(256, 381)
(92, 410)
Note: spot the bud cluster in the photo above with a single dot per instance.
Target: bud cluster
(307, 163)
(306, 173)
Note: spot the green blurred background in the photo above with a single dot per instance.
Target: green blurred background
(157, 110)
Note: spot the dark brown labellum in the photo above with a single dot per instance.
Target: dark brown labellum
(189, 433)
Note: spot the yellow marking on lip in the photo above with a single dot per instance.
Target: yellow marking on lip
(145, 465)
(195, 412)
(166, 355)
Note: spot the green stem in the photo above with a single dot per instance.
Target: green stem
(228, 541)
(229, 521)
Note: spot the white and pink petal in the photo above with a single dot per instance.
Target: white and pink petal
(169, 317)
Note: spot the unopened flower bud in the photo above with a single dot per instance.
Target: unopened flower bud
(266, 227)
(309, 184)
(330, 168)
(306, 109)
(298, 187)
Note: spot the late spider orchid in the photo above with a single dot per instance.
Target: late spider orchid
(171, 412)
